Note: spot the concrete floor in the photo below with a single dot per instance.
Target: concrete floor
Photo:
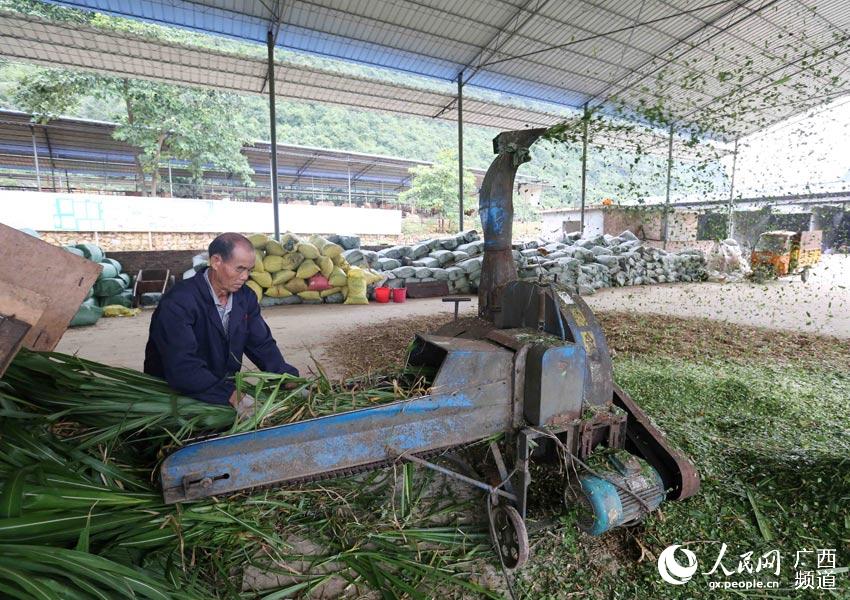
(822, 305)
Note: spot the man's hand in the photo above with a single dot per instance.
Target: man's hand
(243, 403)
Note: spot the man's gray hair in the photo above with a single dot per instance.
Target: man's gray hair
(223, 244)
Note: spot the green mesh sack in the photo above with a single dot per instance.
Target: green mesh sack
(88, 314)
(109, 287)
(92, 252)
(124, 299)
(107, 271)
(114, 263)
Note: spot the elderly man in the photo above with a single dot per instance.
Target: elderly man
(203, 325)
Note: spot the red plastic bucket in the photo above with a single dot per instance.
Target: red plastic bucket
(382, 294)
(399, 295)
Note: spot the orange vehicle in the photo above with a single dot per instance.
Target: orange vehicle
(784, 252)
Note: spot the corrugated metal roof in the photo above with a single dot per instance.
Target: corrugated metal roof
(615, 52)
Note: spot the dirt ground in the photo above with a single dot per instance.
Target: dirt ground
(821, 305)
(307, 332)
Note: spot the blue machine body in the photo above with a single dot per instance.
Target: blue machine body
(471, 397)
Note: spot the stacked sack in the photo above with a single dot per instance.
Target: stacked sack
(112, 287)
(335, 269)
(588, 264)
(454, 259)
(296, 271)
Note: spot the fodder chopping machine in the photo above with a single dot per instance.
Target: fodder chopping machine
(533, 368)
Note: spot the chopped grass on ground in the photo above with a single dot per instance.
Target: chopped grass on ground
(772, 446)
(767, 427)
(628, 334)
(764, 416)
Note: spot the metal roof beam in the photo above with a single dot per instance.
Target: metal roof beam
(679, 41)
(362, 172)
(486, 47)
(597, 36)
(303, 168)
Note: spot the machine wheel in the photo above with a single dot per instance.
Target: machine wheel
(509, 536)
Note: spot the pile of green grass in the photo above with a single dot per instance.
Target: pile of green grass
(772, 446)
(79, 447)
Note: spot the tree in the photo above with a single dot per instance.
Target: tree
(164, 122)
(434, 187)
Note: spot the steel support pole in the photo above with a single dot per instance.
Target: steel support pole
(585, 119)
(35, 158)
(273, 123)
(667, 195)
(170, 184)
(730, 222)
(460, 149)
(349, 184)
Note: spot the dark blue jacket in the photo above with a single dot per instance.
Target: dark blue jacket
(188, 348)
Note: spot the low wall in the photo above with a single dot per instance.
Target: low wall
(177, 261)
(116, 241)
(47, 211)
(113, 241)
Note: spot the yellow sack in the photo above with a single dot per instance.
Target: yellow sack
(331, 250)
(307, 269)
(273, 247)
(330, 291)
(256, 289)
(344, 291)
(273, 263)
(308, 250)
(356, 273)
(291, 261)
(258, 240)
(372, 276)
(282, 277)
(337, 277)
(116, 310)
(278, 291)
(356, 290)
(319, 242)
(263, 279)
(326, 265)
(258, 261)
(308, 295)
(296, 285)
(289, 242)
